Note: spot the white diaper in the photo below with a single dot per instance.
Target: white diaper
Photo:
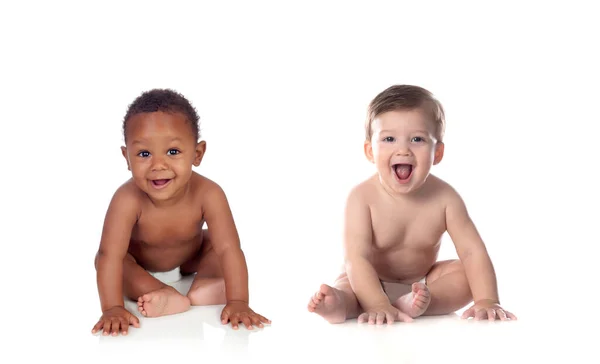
(171, 276)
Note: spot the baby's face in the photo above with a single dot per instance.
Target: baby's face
(161, 149)
(403, 147)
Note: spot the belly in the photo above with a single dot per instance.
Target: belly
(404, 265)
(163, 257)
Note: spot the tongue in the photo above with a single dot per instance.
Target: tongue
(160, 182)
(403, 170)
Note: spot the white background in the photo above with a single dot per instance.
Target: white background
(282, 92)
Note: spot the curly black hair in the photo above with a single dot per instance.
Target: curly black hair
(165, 100)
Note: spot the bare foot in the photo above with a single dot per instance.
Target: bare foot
(329, 303)
(164, 301)
(416, 302)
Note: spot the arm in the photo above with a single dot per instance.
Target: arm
(357, 245)
(119, 221)
(226, 242)
(471, 251)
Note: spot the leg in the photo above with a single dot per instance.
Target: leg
(208, 287)
(154, 297)
(335, 304)
(449, 288)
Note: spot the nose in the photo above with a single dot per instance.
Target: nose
(403, 149)
(158, 164)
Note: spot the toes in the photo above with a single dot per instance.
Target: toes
(421, 299)
(325, 290)
(316, 300)
(420, 292)
(418, 286)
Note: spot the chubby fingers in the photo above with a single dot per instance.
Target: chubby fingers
(133, 320)
(116, 323)
(246, 321)
(263, 319)
(480, 314)
(501, 314)
(107, 325)
(401, 316)
(224, 317)
(468, 313)
(98, 326)
(257, 320)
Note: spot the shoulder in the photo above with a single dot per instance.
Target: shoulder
(363, 193)
(362, 190)
(206, 191)
(128, 194)
(449, 197)
(127, 199)
(441, 189)
(204, 186)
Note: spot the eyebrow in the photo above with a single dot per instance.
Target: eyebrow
(142, 141)
(392, 131)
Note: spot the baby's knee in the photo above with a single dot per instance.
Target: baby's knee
(456, 265)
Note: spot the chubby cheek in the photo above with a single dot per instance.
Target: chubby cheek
(382, 160)
(181, 168)
(139, 169)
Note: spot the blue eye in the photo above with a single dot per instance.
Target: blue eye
(144, 154)
(173, 152)
(389, 139)
(417, 139)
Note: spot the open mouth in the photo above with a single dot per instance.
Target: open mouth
(160, 183)
(403, 172)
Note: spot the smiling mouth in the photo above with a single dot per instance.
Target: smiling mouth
(403, 172)
(160, 183)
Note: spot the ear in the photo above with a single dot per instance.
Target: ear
(124, 152)
(200, 150)
(369, 151)
(439, 153)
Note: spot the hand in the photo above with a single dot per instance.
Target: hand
(489, 309)
(116, 318)
(381, 314)
(239, 311)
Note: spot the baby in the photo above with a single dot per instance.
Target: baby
(394, 222)
(154, 223)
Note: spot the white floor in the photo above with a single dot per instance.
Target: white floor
(197, 335)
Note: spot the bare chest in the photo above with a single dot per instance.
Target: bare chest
(168, 228)
(407, 226)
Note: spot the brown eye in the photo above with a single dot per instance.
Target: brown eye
(144, 154)
(389, 139)
(173, 152)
